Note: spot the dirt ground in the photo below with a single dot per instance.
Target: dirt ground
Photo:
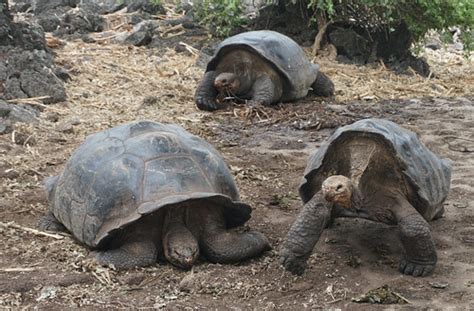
(266, 151)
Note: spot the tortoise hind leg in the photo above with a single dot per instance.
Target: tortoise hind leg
(138, 253)
(205, 96)
(49, 223)
(228, 246)
(420, 253)
(323, 86)
(264, 91)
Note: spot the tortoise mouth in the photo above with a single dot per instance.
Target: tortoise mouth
(227, 83)
(183, 262)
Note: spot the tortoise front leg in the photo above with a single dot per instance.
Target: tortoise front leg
(220, 245)
(304, 234)
(264, 91)
(420, 253)
(206, 93)
(229, 246)
(135, 253)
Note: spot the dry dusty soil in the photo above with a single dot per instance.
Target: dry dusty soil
(266, 150)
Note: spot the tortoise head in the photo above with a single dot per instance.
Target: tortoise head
(227, 83)
(180, 248)
(338, 189)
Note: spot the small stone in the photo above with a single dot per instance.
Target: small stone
(52, 116)
(150, 101)
(47, 292)
(75, 121)
(438, 285)
(141, 34)
(434, 44)
(65, 127)
(460, 204)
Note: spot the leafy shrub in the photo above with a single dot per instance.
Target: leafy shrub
(419, 15)
(222, 16)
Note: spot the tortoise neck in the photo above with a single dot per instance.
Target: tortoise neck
(356, 197)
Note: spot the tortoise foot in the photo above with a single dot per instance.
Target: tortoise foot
(292, 262)
(207, 104)
(416, 269)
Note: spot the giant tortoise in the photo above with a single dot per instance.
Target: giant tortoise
(263, 66)
(377, 170)
(144, 189)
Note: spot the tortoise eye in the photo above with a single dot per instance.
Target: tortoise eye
(339, 187)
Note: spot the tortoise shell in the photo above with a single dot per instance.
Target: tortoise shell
(426, 173)
(284, 54)
(121, 174)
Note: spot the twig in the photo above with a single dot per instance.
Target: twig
(401, 297)
(31, 230)
(190, 49)
(107, 38)
(171, 35)
(171, 29)
(30, 101)
(18, 269)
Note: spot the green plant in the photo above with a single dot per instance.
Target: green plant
(419, 15)
(220, 15)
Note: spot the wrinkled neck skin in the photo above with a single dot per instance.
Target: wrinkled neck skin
(356, 209)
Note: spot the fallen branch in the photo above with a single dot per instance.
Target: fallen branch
(31, 230)
(29, 101)
(190, 49)
(18, 269)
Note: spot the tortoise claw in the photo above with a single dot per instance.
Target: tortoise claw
(207, 104)
(292, 262)
(415, 269)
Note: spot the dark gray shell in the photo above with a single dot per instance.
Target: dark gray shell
(425, 172)
(283, 53)
(118, 175)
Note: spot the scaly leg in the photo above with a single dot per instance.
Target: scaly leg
(263, 91)
(420, 253)
(223, 246)
(134, 253)
(304, 234)
(206, 93)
